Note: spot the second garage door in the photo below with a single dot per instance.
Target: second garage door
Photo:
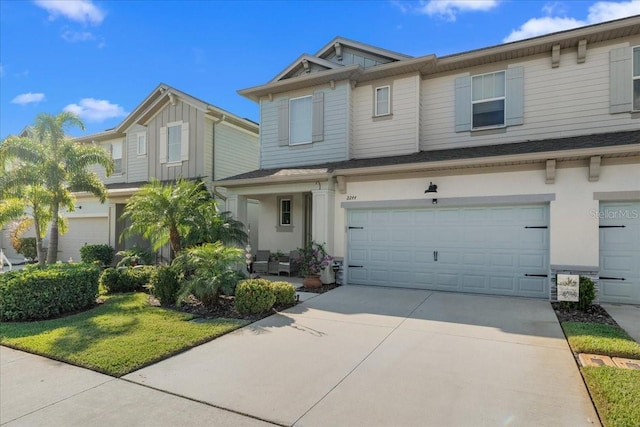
(499, 250)
(82, 231)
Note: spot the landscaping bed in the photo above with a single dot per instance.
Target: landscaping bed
(321, 290)
(594, 314)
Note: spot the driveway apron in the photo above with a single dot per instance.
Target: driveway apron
(379, 357)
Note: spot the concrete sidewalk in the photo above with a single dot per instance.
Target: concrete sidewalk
(36, 391)
(627, 316)
(390, 357)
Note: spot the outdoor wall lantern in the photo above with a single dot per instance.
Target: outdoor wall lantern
(434, 201)
(433, 188)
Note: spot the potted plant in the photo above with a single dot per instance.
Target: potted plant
(313, 259)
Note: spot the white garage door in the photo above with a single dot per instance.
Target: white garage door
(490, 250)
(620, 253)
(82, 231)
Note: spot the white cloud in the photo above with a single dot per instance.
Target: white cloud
(448, 9)
(83, 11)
(96, 110)
(598, 12)
(77, 36)
(28, 98)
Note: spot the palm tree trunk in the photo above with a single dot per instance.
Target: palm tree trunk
(39, 248)
(52, 254)
(174, 240)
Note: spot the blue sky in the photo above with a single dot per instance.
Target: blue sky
(100, 59)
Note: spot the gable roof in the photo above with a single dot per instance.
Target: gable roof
(162, 95)
(329, 47)
(298, 63)
(431, 64)
(615, 144)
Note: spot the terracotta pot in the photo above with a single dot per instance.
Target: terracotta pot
(312, 281)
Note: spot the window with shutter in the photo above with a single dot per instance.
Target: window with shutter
(300, 114)
(636, 78)
(141, 143)
(116, 156)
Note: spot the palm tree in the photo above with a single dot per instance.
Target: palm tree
(182, 214)
(61, 165)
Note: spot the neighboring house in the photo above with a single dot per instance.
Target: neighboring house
(487, 171)
(169, 135)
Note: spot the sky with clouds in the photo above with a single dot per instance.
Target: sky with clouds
(100, 59)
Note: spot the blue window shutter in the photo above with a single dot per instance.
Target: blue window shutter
(317, 118)
(620, 80)
(463, 103)
(283, 122)
(514, 108)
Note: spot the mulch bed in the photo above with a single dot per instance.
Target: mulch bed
(321, 290)
(594, 314)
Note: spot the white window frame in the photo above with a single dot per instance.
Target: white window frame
(485, 100)
(376, 113)
(143, 136)
(635, 77)
(177, 125)
(117, 170)
(310, 140)
(281, 211)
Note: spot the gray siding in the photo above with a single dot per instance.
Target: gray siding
(192, 168)
(115, 177)
(209, 141)
(236, 151)
(570, 100)
(353, 56)
(332, 148)
(137, 167)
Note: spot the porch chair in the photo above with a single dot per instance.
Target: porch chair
(290, 264)
(261, 264)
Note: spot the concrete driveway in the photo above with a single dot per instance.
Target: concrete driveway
(364, 356)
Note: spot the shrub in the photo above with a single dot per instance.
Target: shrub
(207, 270)
(127, 279)
(26, 246)
(587, 293)
(45, 292)
(91, 253)
(285, 293)
(134, 256)
(254, 296)
(164, 285)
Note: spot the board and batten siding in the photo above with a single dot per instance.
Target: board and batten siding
(333, 146)
(209, 141)
(386, 135)
(137, 166)
(194, 166)
(570, 100)
(236, 151)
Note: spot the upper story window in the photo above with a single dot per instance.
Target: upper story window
(174, 142)
(636, 78)
(116, 155)
(383, 101)
(488, 100)
(141, 143)
(300, 119)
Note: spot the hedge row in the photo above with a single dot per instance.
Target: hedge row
(45, 292)
(260, 295)
(126, 279)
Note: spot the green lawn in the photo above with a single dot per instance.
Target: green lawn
(121, 335)
(600, 339)
(616, 393)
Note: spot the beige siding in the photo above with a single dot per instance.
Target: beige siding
(236, 151)
(192, 168)
(390, 135)
(137, 166)
(559, 102)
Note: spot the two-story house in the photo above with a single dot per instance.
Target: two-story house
(486, 171)
(169, 135)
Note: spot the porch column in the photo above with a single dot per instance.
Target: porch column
(322, 224)
(237, 205)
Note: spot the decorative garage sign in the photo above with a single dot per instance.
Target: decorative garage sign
(568, 287)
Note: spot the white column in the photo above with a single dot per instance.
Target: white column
(322, 225)
(237, 205)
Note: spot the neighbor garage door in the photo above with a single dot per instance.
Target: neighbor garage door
(490, 250)
(620, 253)
(82, 231)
